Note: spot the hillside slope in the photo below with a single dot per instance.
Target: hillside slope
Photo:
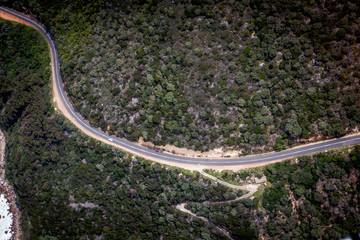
(254, 76)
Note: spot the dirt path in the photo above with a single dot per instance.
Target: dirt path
(182, 208)
(7, 190)
(248, 187)
(251, 188)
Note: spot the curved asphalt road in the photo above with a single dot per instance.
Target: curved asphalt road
(123, 144)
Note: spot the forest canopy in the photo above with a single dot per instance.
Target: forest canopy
(253, 75)
(69, 186)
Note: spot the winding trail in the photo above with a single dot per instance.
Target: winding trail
(251, 188)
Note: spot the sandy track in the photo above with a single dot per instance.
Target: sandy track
(251, 188)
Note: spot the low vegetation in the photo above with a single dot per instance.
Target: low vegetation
(69, 186)
(252, 75)
(311, 197)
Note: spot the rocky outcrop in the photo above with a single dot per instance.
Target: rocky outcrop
(7, 191)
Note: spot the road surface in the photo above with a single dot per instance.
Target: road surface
(77, 119)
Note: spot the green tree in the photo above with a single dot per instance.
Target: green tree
(292, 127)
